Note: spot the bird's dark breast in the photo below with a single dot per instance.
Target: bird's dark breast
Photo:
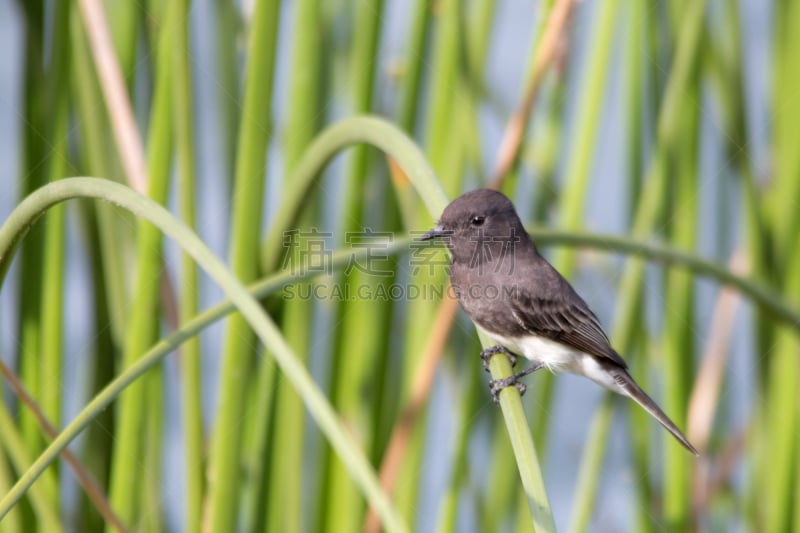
(487, 301)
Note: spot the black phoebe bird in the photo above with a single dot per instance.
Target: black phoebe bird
(516, 298)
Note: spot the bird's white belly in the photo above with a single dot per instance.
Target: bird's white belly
(557, 357)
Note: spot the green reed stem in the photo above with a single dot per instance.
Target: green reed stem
(522, 443)
(590, 105)
(358, 350)
(286, 457)
(34, 205)
(126, 471)
(44, 496)
(191, 394)
(238, 347)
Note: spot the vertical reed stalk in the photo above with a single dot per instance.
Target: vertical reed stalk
(354, 369)
(191, 390)
(129, 473)
(255, 128)
(285, 505)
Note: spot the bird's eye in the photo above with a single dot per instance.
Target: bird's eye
(477, 220)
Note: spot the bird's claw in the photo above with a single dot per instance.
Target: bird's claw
(487, 354)
(496, 385)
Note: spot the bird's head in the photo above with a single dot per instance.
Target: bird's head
(478, 221)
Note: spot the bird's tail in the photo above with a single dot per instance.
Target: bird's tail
(629, 386)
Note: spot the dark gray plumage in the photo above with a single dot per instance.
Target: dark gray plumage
(520, 301)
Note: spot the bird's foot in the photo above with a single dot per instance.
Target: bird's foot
(496, 385)
(489, 352)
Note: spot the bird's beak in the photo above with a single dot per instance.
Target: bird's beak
(435, 232)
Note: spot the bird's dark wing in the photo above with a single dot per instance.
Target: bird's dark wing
(565, 320)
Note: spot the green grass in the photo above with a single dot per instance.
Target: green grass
(310, 393)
